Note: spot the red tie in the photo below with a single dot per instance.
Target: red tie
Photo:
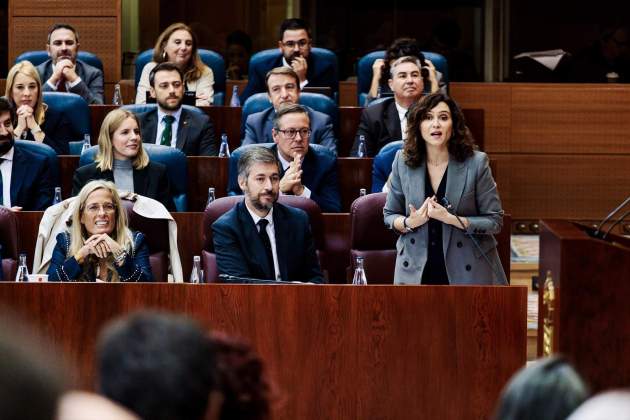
(61, 86)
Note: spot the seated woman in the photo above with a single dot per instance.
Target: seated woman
(99, 245)
(122, 160)
(35, 121)
(401, 47)
(443, 201)
(178, 45)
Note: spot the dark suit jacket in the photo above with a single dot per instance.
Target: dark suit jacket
(58, 131)
(195, 133)
(380, 125)
(31, 187)
(66, 268)
(240, 251)
(318, 74)
(151, 181)
(319, 174)
(90, 88)
(258, 128)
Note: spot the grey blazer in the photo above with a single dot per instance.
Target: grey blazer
(473, 194)
(90, 88)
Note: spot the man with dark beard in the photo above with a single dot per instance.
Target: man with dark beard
(260, 238)
(171, 124)
(25, 175)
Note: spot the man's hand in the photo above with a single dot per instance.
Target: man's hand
(58, 74)
(69, 70)
(291, 182)
(300, 66)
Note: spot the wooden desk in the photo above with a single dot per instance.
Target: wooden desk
(335, 352)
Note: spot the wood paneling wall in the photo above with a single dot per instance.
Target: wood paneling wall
(98, 23)
(562, 151)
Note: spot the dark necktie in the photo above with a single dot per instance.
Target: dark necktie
(262, 224)
(167, 134)
(1, 185)
(61, 86)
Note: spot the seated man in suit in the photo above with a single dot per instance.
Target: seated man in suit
(63, 72)
(294, 42)
(283, 87)
(24, 175)
(171, 124)
(260, 238)
(305, 171)
(386, 121)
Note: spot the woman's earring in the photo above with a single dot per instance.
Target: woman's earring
(163, 55)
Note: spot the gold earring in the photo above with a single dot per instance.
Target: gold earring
(164, 56)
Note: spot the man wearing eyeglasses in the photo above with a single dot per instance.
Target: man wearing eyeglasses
(283, 88)
(306, 170)
(295, 43)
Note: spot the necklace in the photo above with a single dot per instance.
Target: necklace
(436, 162)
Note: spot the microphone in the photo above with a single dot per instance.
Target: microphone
(598, 231)
(621, 219)
(228, 278)
(449, 207)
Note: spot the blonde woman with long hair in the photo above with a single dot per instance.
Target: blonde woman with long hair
(99, 246)
(178, 44)
(35, 121)
(122, 160)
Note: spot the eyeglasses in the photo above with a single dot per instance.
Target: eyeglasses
(290, 133)
(301, 43)
(95, 208)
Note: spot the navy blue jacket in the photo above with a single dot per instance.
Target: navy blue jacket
(319, 174)
(240, 251)
(258, 128)
(58, 132)
(64, 267)
(318, 74)
(31, 186)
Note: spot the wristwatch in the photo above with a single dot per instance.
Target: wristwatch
(407, 228)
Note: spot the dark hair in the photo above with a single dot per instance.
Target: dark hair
(7, 106)
(401, 47)
(56, 26)
(164, 66)
(242, 380)
(287, 71)
(161, 366)
(293, 24)
(239, 37)
(252, 155)
(461, 145)
(30, 382)
(288, 109)
(548, 389)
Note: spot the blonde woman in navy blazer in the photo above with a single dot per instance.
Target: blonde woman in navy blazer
(439, 161)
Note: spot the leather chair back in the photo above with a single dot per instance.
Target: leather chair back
(364, 70)
(322, 103)
(9, 242)
(46, 151)
(370, 239)
(74, 107)
(38, 57)
(382, 164)
(156, 234)
(210, 58)
(176, 164)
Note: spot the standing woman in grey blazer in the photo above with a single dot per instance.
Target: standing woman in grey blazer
(438, 174)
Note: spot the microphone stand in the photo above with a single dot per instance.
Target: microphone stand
(621, 219)
(598, 231)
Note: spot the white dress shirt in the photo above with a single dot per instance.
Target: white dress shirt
(6, 167)
(68, 84)
(285, 63)
(402, 115)
(285, 165)
(160, 128)
(271, 232)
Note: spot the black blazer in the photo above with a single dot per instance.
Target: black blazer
(31, 186)
(58, 132)
(151, 181)
(380, 125)
(195, 133)
(240, 251)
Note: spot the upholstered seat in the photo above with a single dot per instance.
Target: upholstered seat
(9, 242)
(38, 57)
